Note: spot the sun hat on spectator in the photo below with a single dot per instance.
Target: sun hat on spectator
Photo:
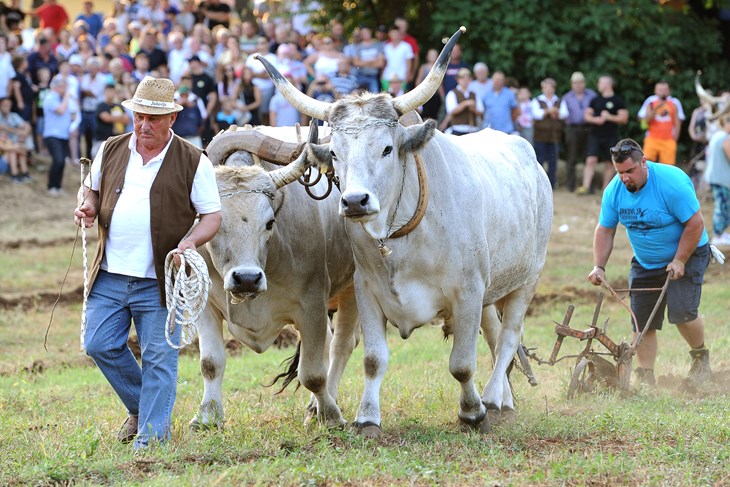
(154, 96)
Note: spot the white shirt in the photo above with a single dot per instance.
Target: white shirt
(129, 241)
(257, 67)
(6, 73)
(538, 113)
(396, 60)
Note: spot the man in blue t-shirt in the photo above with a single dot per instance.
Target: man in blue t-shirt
(658, 207)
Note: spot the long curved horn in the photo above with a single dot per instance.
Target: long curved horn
(703, 94)
(285, 175)
(268, 148)
(424, 91)
(721, 112)
(303, 103)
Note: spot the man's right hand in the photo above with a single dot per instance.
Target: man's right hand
(85, 213)
(597, 276)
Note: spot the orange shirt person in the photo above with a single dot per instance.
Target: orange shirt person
(662, 115)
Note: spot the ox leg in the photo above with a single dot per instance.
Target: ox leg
(513, 315)
(375, 362)
(212, 366)
(313, 365)
(346, 336)
(491, 326)
(462, 365)
(312, 406)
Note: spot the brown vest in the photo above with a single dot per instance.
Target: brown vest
(171, 211)
(466, 117)
(548, 129)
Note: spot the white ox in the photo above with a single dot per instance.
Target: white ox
(278, 258)
(482, 240)
(716, 107)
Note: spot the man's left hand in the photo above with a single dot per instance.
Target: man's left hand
(675, 269)
(184, 245)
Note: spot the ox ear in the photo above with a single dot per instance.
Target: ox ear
(319, 155)
(416, 136)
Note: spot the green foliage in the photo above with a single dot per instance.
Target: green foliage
(638, 42)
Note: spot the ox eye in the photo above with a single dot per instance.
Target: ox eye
(270, 224)
(332, 154)
(387, 150)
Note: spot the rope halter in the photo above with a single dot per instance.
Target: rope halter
(187, 297)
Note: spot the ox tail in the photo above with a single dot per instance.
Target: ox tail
(290, 374)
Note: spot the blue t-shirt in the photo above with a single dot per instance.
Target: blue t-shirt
(498, 108)
(654, 216)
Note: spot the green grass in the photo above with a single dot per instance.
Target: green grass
(59, 417)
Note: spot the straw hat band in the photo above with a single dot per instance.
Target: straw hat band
(153, 103)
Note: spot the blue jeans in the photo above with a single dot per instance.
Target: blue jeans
(58, 148)
(149, 391)
(548, 152)
(369, 82)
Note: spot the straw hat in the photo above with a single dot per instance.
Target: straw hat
(154, 96)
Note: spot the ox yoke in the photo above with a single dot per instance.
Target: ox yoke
(485, 231)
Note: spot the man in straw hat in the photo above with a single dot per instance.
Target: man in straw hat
(146, 188)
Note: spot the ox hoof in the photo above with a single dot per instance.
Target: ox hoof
(195, 425)
(368, 430)
(482, 427)
(497, 417)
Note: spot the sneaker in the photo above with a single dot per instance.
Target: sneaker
(26, 178)
(700, 371)
(56, 192)
(128, 431)
(16, 179)
(722, 240)
(582, 191)
(645, 377)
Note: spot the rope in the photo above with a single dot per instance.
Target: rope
(187, 297)
(86, 282)
(84, 167)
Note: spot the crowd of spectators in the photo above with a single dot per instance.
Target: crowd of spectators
(74, 72)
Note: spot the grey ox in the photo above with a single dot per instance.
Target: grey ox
(485, 210)
(278, 258)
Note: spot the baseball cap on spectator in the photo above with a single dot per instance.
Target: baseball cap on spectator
(76, 60)
(195, 58)
(135, 24)
(172, 10)
(382, 28)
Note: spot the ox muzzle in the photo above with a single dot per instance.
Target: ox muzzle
(358, 205)
(245, 283)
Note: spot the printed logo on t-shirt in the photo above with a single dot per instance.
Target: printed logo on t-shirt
(638, 219)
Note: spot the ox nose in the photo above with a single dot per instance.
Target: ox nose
(246, 281)
(355, 204)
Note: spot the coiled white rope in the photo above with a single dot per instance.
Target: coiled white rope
(186, 297)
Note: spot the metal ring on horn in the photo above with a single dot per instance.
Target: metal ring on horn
(304, 178)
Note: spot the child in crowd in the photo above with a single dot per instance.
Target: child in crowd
(524, 120)
(13, 132)
(227, 116)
